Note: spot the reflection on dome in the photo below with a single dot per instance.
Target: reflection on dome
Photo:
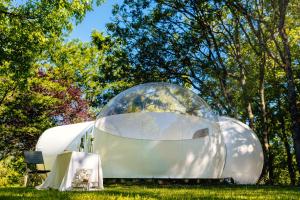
(158, 97)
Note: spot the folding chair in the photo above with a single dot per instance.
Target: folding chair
(32, 159)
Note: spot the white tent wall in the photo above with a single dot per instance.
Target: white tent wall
(158, 145)
(126, 155)
(58, 139)
(244, 157)
(135, 151)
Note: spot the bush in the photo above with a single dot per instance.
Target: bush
(11, 171)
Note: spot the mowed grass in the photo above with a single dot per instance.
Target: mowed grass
(158, 192)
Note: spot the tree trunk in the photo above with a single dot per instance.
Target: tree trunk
(264, 124)
(250, 116)
(292, 94)
(294, 113)
(246, 98)
(287, 147)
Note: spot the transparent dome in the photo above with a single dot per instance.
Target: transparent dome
(158, 97)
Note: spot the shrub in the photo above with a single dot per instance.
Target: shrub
(11, 171)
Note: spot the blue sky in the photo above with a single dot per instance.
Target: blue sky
(94, 20)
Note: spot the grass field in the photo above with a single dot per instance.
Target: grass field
(159, 192)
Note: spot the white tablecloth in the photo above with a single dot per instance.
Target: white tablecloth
(65, 166)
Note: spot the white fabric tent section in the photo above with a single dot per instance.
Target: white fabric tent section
(158, 145)
(161, 145)
(156, 126)
(58, 139)
(65, 167)
(244, 158)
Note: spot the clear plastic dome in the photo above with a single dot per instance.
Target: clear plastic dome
(158, 97)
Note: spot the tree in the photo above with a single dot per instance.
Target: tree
(230, 52)
(274, 33)
(54, 95)
(32, 98)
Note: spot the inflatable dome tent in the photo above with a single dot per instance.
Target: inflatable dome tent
(161, 130)
(68, 137)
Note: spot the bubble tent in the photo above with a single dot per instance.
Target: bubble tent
(161, 130)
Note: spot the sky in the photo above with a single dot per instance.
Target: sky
(94, 20)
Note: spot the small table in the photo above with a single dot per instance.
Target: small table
(65, 167)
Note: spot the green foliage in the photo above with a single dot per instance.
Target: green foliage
(237, 55)
(11, 171)
(113, 70)
(40, 75)
(53, 95)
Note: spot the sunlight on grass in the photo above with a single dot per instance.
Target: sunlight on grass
(159, 192)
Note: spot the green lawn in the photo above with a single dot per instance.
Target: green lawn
(159, 192)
